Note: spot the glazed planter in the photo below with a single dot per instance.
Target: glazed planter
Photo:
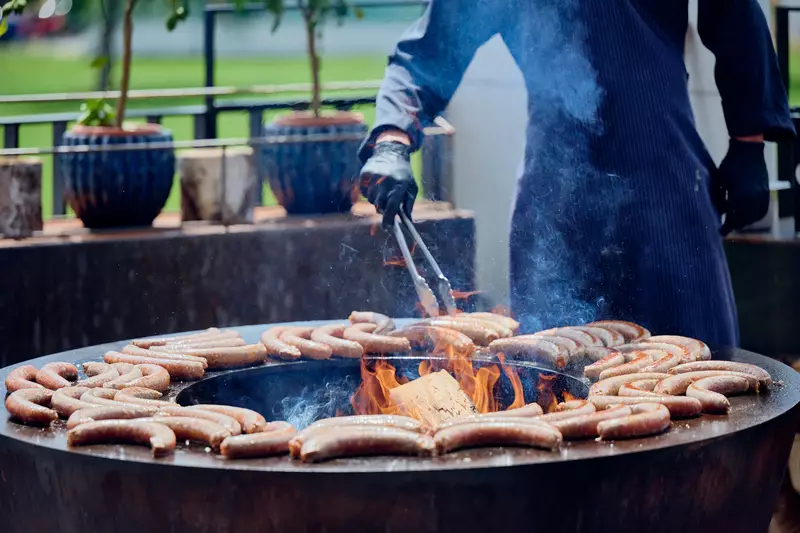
(117, 188)
(314, 177)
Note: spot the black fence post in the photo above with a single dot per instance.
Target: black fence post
(209, 30)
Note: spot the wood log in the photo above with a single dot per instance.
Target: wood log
(433, 399)
(218, 185)
(20, 196)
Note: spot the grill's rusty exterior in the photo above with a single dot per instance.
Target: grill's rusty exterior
(713, 473)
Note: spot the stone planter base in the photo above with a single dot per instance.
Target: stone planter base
(20, 197)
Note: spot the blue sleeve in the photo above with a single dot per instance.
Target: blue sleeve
(747, 73)
(427, 64)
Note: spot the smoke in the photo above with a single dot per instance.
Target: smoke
(314, 403)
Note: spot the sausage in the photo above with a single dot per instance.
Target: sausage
(300, 338)
(678, 383)
(66, 400)
(711, 392)
(353, 441)
(159, 437)
(141, 352)
(30, 406)
(152, 377)
(218, 358)
(372, 343)
(437, 339)
(511, 432)
(220, 341)
(274, 440)
(251, 421)
(491, 325)
(57, 375)
(123, 368)
(611, 386)
(22, 377)
(396, 421)
(276, 347)
(698, 350)
(94, 368)
(108, 412)
(140, 396)
(630, 331)
(533, 347)
(531, 409)
(594, 370)
(590, 346)
(610, 337)
(662, 360)
(643, 387)
(480, 334)
(105, 397)
(584, 408)
(585, 426)
(161, 341)
(679, 406)
(636, 364)
(180, 370)
(228, 422)
(629, 349)
(194, 429)
(126, 378)
(384, 323)
(647, 419)
(331, 335)
(574, 405)
(491, 417)
(508, 322)
(756, 371)
(572, 347)
(99, 380)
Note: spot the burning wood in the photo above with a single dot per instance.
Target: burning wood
(432, 399)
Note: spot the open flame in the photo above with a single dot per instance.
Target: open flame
(547, 398)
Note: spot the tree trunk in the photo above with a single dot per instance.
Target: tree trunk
(105, 46)
(311, 38)
(127, 41)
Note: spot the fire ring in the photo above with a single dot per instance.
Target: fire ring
(712, 472)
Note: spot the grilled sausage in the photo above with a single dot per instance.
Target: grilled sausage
(30, 406)
(140, 396)
(126, 378)
(643, 387)
(372, 343)
(22, 377)
(300, 338)
(161, 341)
(219, 358)
(123, 368)
(491, 417)
(94, 368)
(678, 383)
(179, 370)
(611, 386)
(500, 330)
(276, 347)
(636, 364)
(477, 332)
(508, 322)
(66, 400)
(436, 339)
(105, 398)
(647, 419)
(331, 335)
(384, 323)
(396, 421)
(57, 375)
(274, 440)
(663, 363)
(159, 437)
(251, 421)
(108, 412)
(594, 370)
(531, 409)
(353, 441)
(230, 340)
(590, 346)
(510, 432)
(698, 350)
(756, 371)
(711, 392)
(611, 338)
(532, 347)
(194, 429)
(585, 426)
(99, 380)
(152, 377)
(573, 348)
(141, 352)
(228, 422)
(679, 406)
(630, 331)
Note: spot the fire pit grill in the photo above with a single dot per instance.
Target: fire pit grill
(720, 472)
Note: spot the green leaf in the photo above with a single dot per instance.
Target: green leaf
(276, 8)
(3, 27)
(99, 62)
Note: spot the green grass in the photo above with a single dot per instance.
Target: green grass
(25, 72)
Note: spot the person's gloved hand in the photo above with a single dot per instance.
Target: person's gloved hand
(387, 181)
(740, 186)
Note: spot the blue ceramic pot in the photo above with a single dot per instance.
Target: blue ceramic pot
(314, 177)
(119, 188)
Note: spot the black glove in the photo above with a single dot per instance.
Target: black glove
(387, 181)
(740, 187)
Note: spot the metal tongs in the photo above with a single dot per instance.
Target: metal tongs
(426, 297)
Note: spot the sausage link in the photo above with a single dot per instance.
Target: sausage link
(574, 406)
(152, 377)
(586, 408)
(662, 360)
(331, 336)
(126, 378)
(510, 432)
(711, 392)
(611, 386)
(679, 406)
(585, 426)
(755, 371)
(572, 347)
(630, 331)
(141, 352)
(30, 406)
(533, 347)
(372, 343)
(220, 341)
(94, 368)
(251, 421)
(636, 364)
(589, 345)
(643, 387)
(140, 396)
(437, 339)
(179, 370)
(647, 419)
(276, 347)
(105, 397)
(678, 383)
(123, 368)
(195, 429)
(480, 334)
(300, 338)
(354, 441)
(219, 358)
(273, 441)
(396, 421)
(384, 323)
(508, 322)
(531, 409)
(159, 437)
(228, 422)
(22, 377)
(492, 417)
(499, 329)
(57, 375)
(66, 401)
(612, 360)
(161, 341)
(108, 412)
(698, 350)
(99, 380)
(611, 338)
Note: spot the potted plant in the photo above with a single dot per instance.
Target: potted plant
(313, 176)
(122, 187)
